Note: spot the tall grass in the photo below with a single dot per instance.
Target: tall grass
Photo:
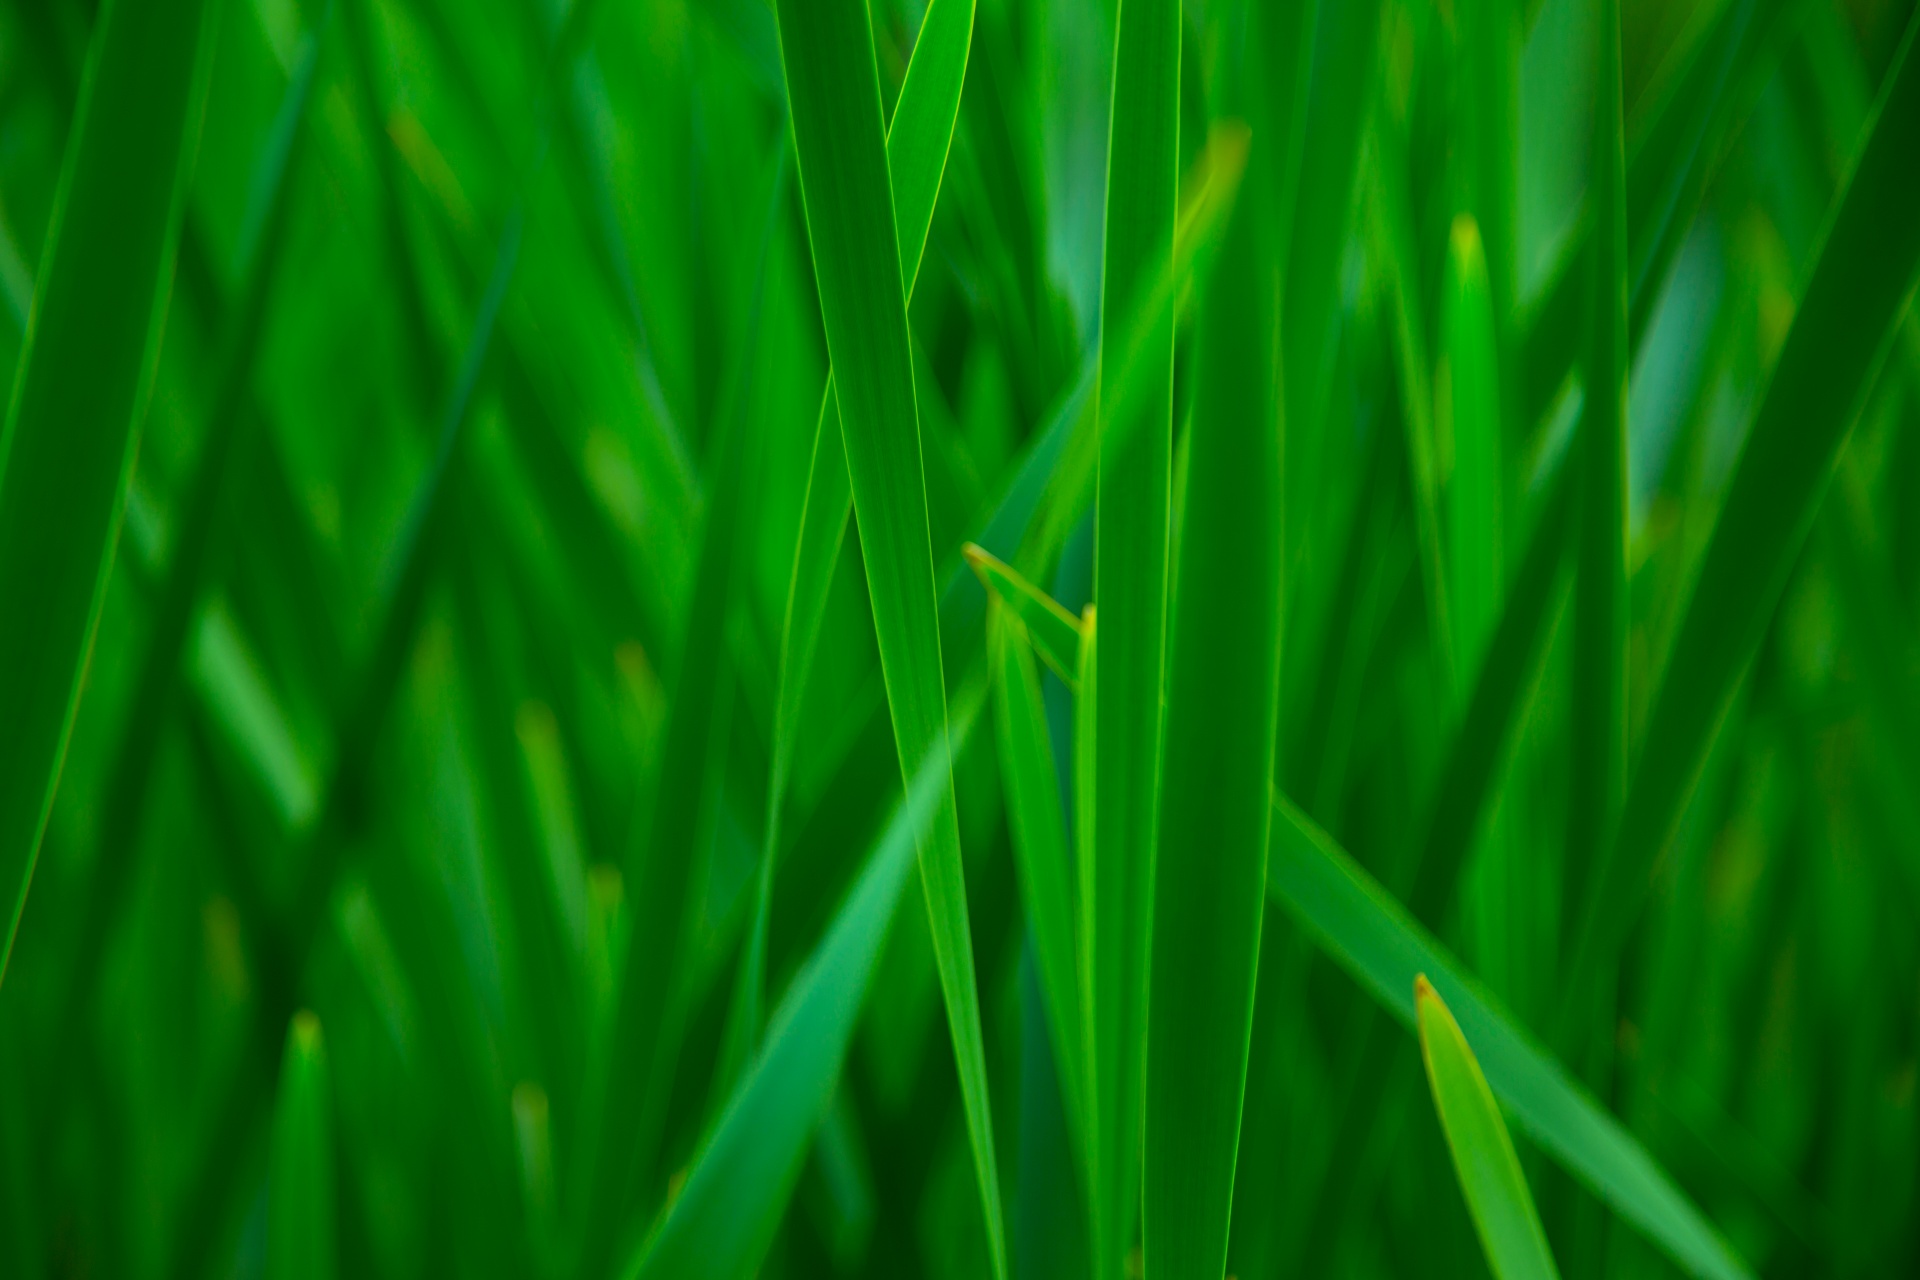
(1080, 638)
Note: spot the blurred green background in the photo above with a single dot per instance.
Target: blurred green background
(451, 595)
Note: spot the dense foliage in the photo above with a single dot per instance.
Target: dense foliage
(968, 638)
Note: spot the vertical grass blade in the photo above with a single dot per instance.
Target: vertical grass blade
(85, 373)
(1483, 1155)
(1846, 323)
(1041, 858)
(833, 94)
(1598, 779)
(1371, 936)
(1223, 695)
(300, 1218)
(1130, 586)
(1475, 560)
(720, 1224)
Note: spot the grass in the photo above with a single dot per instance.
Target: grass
(1361, 554)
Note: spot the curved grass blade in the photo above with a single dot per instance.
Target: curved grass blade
(1599, 695)
(1042, 859)
(921, 131)
(1373, 938)
(86, 371)
(833, 93)
(1131, 538)
(1055, 633)
(1862, 283)
(1223, 697)
(721, 1223)
(1483, 1155)
(300, 1225)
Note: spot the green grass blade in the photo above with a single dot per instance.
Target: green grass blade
(920, 134)
(721, 1223)
(1599, 740)
(1846, 323)
(1130, 586)
(1054, 633)
(1373, 938)
(834, 95)
(300, 1217)
(1223, 697)
(85, 373)
(1042, 860)
(1475, 557)
(1483, 1154)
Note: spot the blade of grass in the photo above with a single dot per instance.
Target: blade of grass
(1038, 829)
(1599, 693)
(85, 375)
(261, 243)
(1132, 495)
(1223, 697)
(921, 131)
(833, 94)
(1862, 283)
(300, 1217)
(1360, 925)
(1483, 1155)
(1476, 561)
(721, 1223)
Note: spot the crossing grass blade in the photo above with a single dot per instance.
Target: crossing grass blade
(720, 1224)
(300, 1209)
(920, 134)
(1483, 1155)
(834, 98)
(1053, 632)
(1361, 926)
(85, 375)
(1131, 504)
(1223, 696)
(1599, 739)
(1847, 321)
(1042, 858)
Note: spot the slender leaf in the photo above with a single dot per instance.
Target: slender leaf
(1373, 938)
(720, 1224)
(1223, 695)
(1598, 778)
(85, 375)
(300, 1212)
(834, 96)
(1483, 1154)
(1130, 586)
(1041, 856)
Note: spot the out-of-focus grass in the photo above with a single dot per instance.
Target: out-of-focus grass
(1439, 487)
